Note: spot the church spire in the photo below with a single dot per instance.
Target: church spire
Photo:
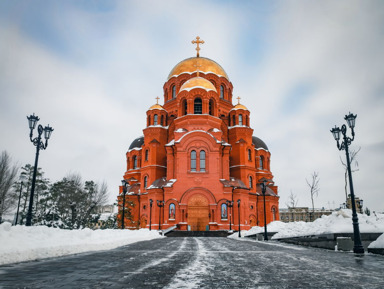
(197, 42)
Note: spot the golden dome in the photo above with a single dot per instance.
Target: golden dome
(156, 106)
(198, 82)
(239, 106)
(204, 65)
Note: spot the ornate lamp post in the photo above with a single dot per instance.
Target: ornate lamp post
(124, 184)
(160, 204)
(150, 214)
(263, 183)
(350, 118)
(230, 205)
(238, 212)
(37, 141)
(18, 204)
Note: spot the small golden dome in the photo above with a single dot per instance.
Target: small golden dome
(198, 82)
(194, 64)
(240, 106)
(156, 106)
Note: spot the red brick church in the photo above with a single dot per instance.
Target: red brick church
(198, 164)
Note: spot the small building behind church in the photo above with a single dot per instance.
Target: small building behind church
(199, 163)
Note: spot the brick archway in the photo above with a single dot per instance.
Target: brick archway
(198, 212)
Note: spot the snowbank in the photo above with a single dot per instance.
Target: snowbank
(379, 243)
(21, 243)
(338, 222)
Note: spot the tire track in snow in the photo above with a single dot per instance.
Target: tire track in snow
(192, 275)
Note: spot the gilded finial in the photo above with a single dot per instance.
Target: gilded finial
(238, 100)
(197, 42)
(157, 99)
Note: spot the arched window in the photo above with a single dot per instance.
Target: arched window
(249, 155)
(233, 120)
(221, 91)
(134, 162)
(250, 182)
(145, 182)
(240, 119)
(261, 162)
(162, 120)
(172, 211)
(173, 91)
(193, 161)
(155, 119)
(185, 107)
(146, 155)
(273, 214)
(202, 161)
(198, 107)
(211, 107)
(224, 211)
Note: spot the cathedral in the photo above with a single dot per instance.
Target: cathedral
(198, 165)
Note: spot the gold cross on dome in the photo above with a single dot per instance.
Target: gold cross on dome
(238, 100)
(197, 42)
(197, 65)
(157, 99)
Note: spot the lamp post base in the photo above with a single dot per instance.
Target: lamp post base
(358, 249)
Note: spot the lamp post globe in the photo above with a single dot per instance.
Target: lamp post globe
(344, 145)
(37, 141)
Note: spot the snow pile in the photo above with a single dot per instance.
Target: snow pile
(379, 243)
(21, 243)
(338, 222)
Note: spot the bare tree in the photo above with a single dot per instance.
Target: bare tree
(292, 200)
(354, 168)
(314, 188)
(8, 174)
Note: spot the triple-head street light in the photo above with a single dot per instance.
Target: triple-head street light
(32, 121)
(350, 118)
(264, 182)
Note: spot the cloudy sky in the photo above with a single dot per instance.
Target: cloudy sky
(91, 69)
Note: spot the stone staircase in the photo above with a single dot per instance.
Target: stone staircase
(197, 234)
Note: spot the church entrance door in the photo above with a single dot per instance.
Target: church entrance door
(198, 213)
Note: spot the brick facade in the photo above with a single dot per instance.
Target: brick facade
(197, 154)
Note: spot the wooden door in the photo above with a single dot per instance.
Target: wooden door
(198, 213)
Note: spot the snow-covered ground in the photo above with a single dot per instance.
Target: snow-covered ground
(339, 222)
(21, 243)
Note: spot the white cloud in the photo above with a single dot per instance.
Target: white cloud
(94, 83)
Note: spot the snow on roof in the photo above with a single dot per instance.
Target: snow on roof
(171, 143)
(198, 130)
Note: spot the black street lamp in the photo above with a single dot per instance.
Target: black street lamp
(160, 204)
(150, 214)
(18, 204)
(350, 118)
(264, 183)
(238, 212)
(124, 184)
(32, 121)
(230, 205)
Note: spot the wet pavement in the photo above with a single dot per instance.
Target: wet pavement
(200, 263)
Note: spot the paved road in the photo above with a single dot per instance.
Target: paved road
(200, 263)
